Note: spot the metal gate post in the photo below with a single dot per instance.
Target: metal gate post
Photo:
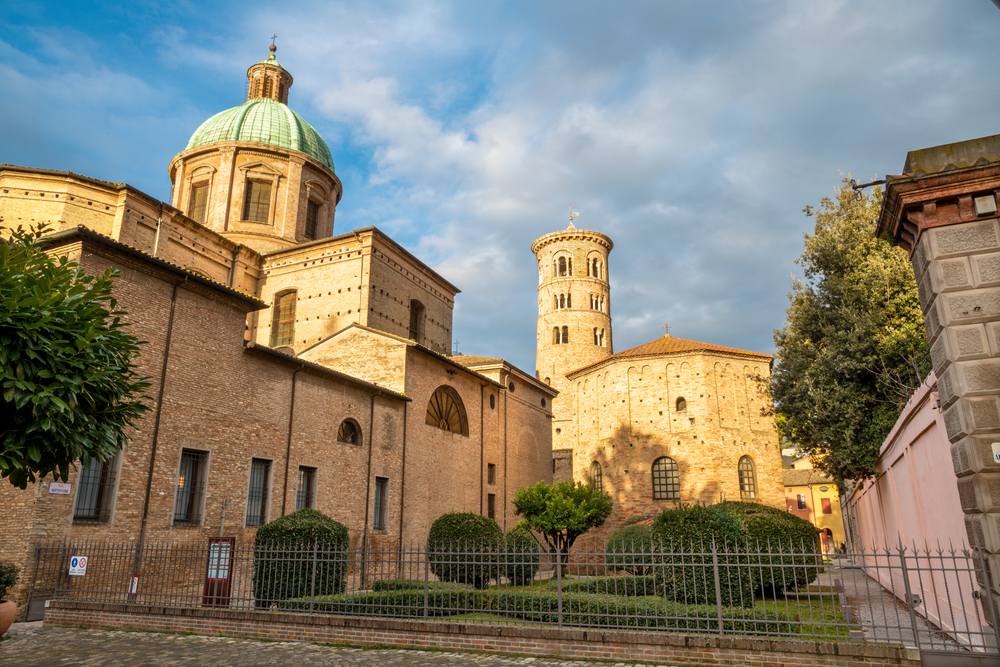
(718, 586)
(909, 595)
(559, 591)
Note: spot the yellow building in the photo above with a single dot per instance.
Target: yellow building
(812, 495)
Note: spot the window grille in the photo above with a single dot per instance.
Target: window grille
(260, 470)
(748, 479)
(349, 432)
(597, 476)
(199, 202)
(283, 319)
(666, 479)
(257, 201)
(95, 490)
(446, 411)
(306, 495)
(312, 219)
(190, 487)
(381, 502)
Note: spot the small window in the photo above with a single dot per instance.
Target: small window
(349, 432)
(827, 506)
(190, 487)
(312, 219)
(198, 203)
(555, 335)
(446, 411)
(305, 497)
(491, 505)
(597, 476)
(681, 404)
(257, 201)
(748, 479)
(565, 335)
(562, 266)
(257, 497)
(800, 500)
(416, 320)
(381, 502)
(493, 402)
(666, 479)
(569, 300)
(491, 473)
(283, 319)
(95, 490)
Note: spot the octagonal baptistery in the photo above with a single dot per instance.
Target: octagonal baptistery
(258, 173)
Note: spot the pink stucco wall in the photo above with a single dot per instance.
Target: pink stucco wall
(914, 501)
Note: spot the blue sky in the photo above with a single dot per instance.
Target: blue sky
(691, 132)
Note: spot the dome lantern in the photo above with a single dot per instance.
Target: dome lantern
(267, 79)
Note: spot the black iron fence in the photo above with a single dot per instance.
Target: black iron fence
(930, 598)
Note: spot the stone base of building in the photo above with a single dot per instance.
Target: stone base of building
(518, 640)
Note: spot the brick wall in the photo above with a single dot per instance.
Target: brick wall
(519, 640)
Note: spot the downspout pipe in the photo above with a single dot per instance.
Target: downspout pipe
(368, 491)
(155, 439)
(402, 486)
(288, 441)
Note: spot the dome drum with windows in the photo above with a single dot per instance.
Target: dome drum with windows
(258, 172)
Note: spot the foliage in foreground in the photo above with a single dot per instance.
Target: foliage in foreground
(68, 382)
(562, 511)
(8, 577)
(630, 549)
(465, 548)
(853, 348)
(284, 565)
(522, 556)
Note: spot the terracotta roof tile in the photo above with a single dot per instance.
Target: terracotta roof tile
(673, 345)
(473, 360)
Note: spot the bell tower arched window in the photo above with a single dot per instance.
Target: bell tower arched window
(597, 476)
(562, 266)
(565, 334)
(446, 411)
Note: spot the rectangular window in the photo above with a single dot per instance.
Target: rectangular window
(801, 499)
(306, 495)
(827, 506)
(260, 472)
(491, 473)
(199, 202)
(95, 488)
(312, 219)
(381, 502)
(256, 201)
(283, 319)
(190, 487)
(491, 506)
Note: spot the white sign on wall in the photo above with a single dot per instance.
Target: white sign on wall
(59, 488)
(77, 566)
(996, 452)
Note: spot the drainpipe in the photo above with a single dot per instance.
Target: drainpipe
(368, 490)
(482, 443)
(232, 265)
(402, 485)
(288, 440)
(505, 420)
(140, 543)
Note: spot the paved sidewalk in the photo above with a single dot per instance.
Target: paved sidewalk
(33, 644)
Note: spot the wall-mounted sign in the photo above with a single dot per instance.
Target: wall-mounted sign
(59, 488)
(77, 566)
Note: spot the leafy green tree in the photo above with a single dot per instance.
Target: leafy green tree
(68, 382)
(853, 348)
(562, 511)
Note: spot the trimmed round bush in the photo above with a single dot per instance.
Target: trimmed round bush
(8, 577)
(686, 572)
(630, 549)
(465, 548)
(791, 545)
(522, 556)
(300, 554)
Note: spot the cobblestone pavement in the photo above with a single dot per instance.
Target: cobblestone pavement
(32, 644)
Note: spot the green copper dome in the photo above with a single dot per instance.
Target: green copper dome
(263, 121)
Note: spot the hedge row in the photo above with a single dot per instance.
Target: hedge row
(415, 584)
(585, 609)
(615, 585)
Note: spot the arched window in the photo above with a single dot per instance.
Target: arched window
(565, 334)
(555, 300)
(555, 335)
(666, 479)
(446, 411)
(569, 300)
(349, 432)
(596, 339)
(562, 300)
(748, 479)
(681, 404)
(416, 320)
(596, 476)
(268, 84)
(283, 319)
(562, 266)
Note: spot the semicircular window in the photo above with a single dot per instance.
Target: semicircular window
(349, 432)
(446, 411)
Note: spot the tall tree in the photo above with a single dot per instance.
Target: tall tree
(853, 348)
(562, 512)
(68, 383)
